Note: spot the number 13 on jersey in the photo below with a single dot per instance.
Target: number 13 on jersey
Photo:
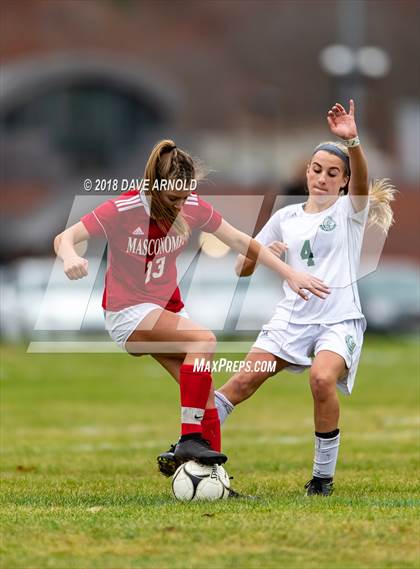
(306, 253)
(159, 264)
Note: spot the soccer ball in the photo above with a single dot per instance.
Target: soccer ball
(194, 481)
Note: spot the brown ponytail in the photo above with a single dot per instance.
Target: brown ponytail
(167, 162)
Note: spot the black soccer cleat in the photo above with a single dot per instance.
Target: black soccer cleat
(167, 463)
(319, 487)
(198, 449)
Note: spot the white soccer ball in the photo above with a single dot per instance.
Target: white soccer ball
(194, 481)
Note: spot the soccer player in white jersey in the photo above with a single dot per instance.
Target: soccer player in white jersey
(145, 232)
(324, 236)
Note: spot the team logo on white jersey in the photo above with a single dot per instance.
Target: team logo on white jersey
(328, 224)
(350, 343)
(138, 231)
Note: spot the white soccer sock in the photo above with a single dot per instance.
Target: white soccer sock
(325, 459)
(223, 406)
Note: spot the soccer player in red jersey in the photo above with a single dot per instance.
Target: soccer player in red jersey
(146, 230)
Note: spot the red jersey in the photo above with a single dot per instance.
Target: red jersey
(141, 256)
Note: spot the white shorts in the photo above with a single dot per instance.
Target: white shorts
(120, 325)
(299, 343)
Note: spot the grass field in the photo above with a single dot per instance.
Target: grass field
(80, 433)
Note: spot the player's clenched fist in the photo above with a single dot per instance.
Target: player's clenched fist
(75, 267)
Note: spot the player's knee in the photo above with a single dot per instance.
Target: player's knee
(202, 341)
(210, 341)
(211, 338)
(322, 384)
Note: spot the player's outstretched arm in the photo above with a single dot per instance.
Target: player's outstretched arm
(245, 245)
(244, 267)
(343, 125)
(75, 266)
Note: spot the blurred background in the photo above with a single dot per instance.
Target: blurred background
(88, 86)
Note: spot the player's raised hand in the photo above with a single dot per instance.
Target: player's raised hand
(75, 267)
(299, 282)
(341, 122)
(278, 248)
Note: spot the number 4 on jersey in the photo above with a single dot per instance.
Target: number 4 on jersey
(306, 253)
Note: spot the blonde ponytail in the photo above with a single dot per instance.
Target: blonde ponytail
(381, 194)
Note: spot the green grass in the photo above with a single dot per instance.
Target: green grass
(80, 433)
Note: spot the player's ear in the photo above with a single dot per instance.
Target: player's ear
(345, 182)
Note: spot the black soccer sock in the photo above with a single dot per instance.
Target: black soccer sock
(329, 435)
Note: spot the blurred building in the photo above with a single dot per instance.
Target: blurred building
(88, 86)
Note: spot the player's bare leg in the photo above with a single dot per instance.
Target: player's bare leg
(327, 368)
(171, 333)
(174, 334)
(245, 383)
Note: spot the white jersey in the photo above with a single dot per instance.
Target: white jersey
(326, 244)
